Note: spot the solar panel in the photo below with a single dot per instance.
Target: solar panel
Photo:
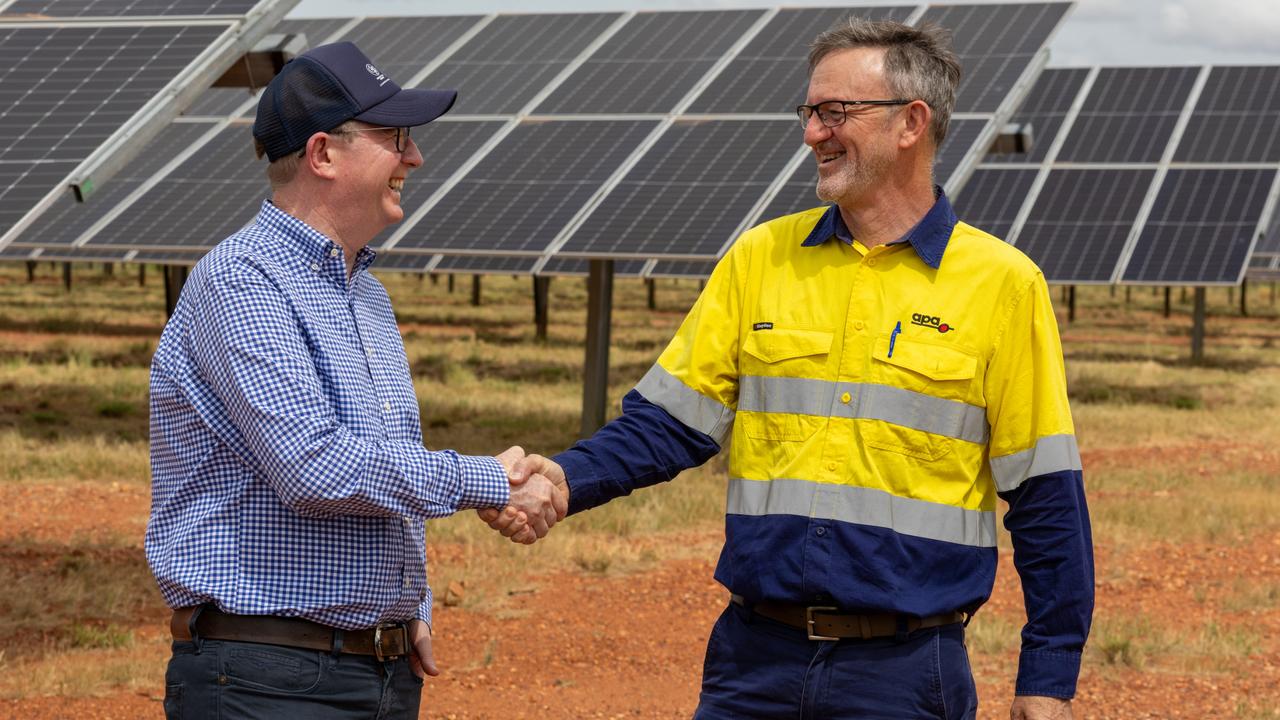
(650, 64)
(66, 254)
(119, 8)
(695, 269)
(201, 202)
(1044, 110)
(1201, 226)
(519, 197)
(386, 261)
(690, 192)
(1236, 119)
(992, 198)
(486, 265)
(67, 219)
(168, 257)
(996, 44)
(1129, 115)
(1081, 219)
(770, 74)
(579, 267)
(513, 58)
(64, 90)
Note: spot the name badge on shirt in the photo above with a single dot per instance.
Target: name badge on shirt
(762, 326)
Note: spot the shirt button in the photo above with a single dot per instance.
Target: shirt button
(820, 531)
(315, 267)
(871, 262)
(386, 406)
(333, 252)
(845, 398)
(858, 324)
(832, 466)
(407, 521)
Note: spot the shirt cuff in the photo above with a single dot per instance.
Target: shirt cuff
(484, 482)
(423, 612)
(1048, 672)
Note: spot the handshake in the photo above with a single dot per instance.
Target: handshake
(539, 497)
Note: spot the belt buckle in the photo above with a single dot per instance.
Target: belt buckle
(809, 621)
(377, 641)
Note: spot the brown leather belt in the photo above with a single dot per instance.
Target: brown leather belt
(385, 642)
(828, 623)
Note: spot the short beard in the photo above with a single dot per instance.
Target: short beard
(854, 181)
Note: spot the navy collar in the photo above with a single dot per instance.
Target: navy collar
(928, 238)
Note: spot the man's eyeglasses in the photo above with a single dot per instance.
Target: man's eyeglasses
(402, 135)
(832, 112)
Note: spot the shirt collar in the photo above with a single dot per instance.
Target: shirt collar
(928, 238)
(305, 241)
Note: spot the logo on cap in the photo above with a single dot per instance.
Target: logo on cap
(382, 79)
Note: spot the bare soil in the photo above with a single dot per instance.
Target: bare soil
(582, 645)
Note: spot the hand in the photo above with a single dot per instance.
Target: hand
(1039, 707)
(511, 521)
(421, 661)
(509, 457)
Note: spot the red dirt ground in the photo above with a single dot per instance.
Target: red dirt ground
(585, 646)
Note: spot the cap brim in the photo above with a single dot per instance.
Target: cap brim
(410, 107)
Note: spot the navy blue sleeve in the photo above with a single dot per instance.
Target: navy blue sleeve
(1048, 521)
(642, 447)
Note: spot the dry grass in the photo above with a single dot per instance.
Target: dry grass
(1173, 453)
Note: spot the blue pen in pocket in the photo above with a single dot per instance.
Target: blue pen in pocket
(894, 336)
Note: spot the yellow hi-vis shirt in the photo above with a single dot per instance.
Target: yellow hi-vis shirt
(877, 401)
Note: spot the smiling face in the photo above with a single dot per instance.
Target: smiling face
(856, 157)
(375, 175)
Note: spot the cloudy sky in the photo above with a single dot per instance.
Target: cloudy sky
(1106, 32)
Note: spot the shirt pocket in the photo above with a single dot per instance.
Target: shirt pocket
(921, 388)
(788, 399)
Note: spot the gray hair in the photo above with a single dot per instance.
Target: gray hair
(919, 63)
(283, 170)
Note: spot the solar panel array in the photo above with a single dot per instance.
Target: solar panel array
(1156, 175)
(75, 74)
(652, 138)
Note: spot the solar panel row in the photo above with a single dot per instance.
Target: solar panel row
(640, 135)
(1129, 185)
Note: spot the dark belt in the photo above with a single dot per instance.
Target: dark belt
(828, 623)
(385, 642)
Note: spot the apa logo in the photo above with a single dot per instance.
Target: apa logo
(382, 79)
(931, 321)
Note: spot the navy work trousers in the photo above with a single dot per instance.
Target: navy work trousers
(758, 668)
(225, 680)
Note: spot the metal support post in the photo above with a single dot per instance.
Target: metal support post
(175, 276)
(1168, 301)
(142, 275)
(66, 276)
(1244, 298)
(595, 383)
(1197, 329)
(31, 271)
(450, 282)
(1071, 303)
(651, 286)
(541, 285)
(475, 290)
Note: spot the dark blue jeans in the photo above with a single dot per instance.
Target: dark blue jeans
(757, 668)
(225, 680)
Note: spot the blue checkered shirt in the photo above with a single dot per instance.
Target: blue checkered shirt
(288, 471)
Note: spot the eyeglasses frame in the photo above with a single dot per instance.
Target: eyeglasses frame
(813, 109)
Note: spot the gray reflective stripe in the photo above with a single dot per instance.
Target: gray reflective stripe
(1053, 453)
(805, 396)
(685, 404)
(863, 506)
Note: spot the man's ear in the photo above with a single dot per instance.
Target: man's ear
(917, 117)
(319, 157)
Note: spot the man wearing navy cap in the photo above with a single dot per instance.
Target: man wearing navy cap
(289, 479)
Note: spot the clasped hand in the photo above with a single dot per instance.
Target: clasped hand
(539, 497)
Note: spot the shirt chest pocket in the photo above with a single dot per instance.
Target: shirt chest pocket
(783, 395)
(917, 405)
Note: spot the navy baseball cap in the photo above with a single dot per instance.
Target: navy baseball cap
(329, 85)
